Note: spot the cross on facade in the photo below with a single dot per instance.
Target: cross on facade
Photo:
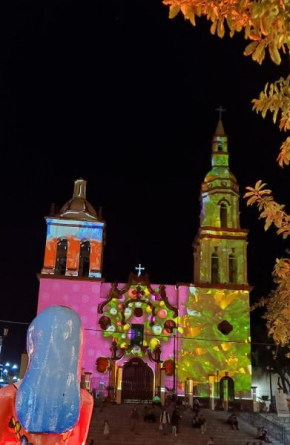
(139, 269)
(220, 110)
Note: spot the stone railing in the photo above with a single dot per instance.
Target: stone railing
(278, 428)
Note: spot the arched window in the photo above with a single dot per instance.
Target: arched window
(84, 265)
(223, 215)
(215, 268)
(61, 256)
(220, 147)
(232, 269)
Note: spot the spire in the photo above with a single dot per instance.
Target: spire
(220, 131)
(220, 128)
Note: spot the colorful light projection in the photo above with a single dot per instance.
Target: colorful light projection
(74, 232)
(231, 254)
(140, 307)
(204, 349)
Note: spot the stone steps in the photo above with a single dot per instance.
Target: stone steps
(119, 420)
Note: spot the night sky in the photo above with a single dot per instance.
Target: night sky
(118, 94)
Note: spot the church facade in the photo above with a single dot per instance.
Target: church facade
(144, 338)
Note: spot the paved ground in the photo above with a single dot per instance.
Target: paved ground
(149, 434)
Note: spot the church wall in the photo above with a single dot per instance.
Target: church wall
(84, 296)
(122, 334)
(203, 349)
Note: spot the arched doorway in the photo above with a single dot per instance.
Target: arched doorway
(227, 388)
(137, 381)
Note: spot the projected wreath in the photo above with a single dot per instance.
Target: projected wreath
(137, 306)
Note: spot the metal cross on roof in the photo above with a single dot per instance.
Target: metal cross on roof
(139, 269)
(220, 110)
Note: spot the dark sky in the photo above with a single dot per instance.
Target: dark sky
(115, 92)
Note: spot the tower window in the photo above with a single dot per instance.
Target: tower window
(61, 257)
(84, 265)
(215, 268)
(223, 215)
(232, 269)
(220, 147)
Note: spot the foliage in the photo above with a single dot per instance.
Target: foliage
(276, 99)
(267, 24)
(278, 303)
(271, 358)
(270, 210)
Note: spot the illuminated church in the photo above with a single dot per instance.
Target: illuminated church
(143, 338)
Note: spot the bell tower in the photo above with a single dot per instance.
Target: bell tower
(220, 247)
(74, 242)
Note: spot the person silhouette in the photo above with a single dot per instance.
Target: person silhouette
(48, 407)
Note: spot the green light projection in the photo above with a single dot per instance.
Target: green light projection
(204, 349)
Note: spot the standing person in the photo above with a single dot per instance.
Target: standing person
(174, 421)
(196, 406)
(202, 422)
(134, 419)
(156, 401)
(106, 430)
(210, 441)
(164, 421)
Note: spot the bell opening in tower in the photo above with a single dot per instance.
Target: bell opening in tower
(61, 257)
(215, 268)
(232, 269)
(223, 215)
(84, 265)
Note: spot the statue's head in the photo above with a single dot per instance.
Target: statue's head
(48, 399)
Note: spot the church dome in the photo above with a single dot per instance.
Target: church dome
(214, 174)
(78, 207)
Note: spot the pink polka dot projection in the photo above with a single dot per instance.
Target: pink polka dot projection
(95, 288)
(84, 296)
(55, 286)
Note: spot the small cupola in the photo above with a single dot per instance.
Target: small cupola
(79, 207)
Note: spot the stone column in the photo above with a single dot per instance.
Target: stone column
(50, 256)
(211, 381)
(190, 391)
(158, 378)
(73, 257)
(162, 385)
(119, 384)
